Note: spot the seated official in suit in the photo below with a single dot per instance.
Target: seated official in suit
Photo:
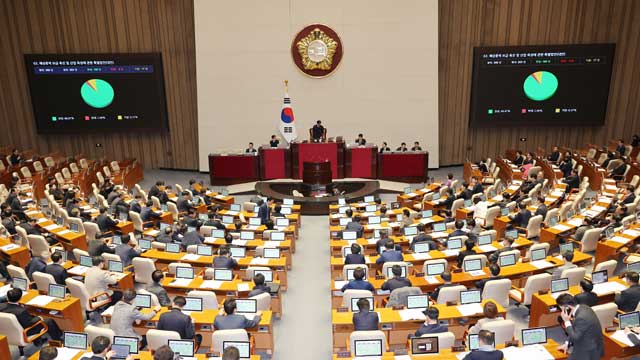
(193, 237)
(184, 203)
(358, 282)
(230, 321)
(476, 186)
(397, 281)
(583, 328)
(384, 237)
(259, 287)
(587, 296)
(354, 225)
(128, 250)
(318, 132)
(431, 324)
(26, 319)
(507, 245)
(389, 254)
(365, 320)
(486, 349)
(384, 148)
(100, 346)
(165, 236)
(97, 280)
(572, 181)
(56, 269)
(125, 313)
(224, 259)
(469, 245)
(277, 211)
(568, 264)
(494, 270)
(274, 142)
(542, 207)
(104, 221)
(137, 204)
(157, 289)
(100, 245)
(554, 156)
(490, 311)
(176, 320)
(148, 214)
(421, 236)
(621, 148)
(459, 225)
(250, 149)
(446, 277)
(360, 140)
(628, 196)
(37, 263)
(416, 146)
(402, 147)
(521, 219)
(355, 257)
(566, 166)
(628, 299)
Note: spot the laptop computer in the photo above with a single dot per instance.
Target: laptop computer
(282, 222)
(513, 234)
(504, 211)
(538, 254)
(142, 301)
(271, 253)
(74, 227)
(374, 220)
(470, 297)
(468, 203)
(120, 351)
(237, 252)
(472, 265)
(244, 348)
(246, 306)
(132, 342)
(349, 235)
(354, 303)
(559, 285)
(234, 207)
(418, 301)
(454, 243)
(424, 345)
(193, 304)
(204, 250)
(75, 340)
(86, 261)
(183, 348)
(410, 231)
(553, 221)
(344, 221)
(427, 214)
(268, 274)
(184, 272)
(534, 336)
(439, 227)
(144, 244)
(277, 236)
(634, 267)
(599, 277)
(115, 266)
(57, 291)
(255, 221)
(362, 348)
(631, 319)
(507, 260)
(369, 198)
(217, 234)
(370, 208)
(20, 283)
(222, 274)
(484, 239)
(435, 269)
(172, 248)
(226, 219)
(247, 235)
(421, 247)
(566, 247)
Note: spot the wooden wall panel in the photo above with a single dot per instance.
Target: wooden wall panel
(468, 23)
(95, 26)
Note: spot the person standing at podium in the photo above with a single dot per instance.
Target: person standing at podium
(317, 132)
(360, 140)
(250, 149)
(274, 142)
(384, 148)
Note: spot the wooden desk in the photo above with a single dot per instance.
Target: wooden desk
(609, 249)
(410, 166)
(613, 349)
(4, 347)
(233, 168)
(19, 256)
(142, 355)
(69, 316)
(125, 282)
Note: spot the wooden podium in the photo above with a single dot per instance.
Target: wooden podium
(316, 173)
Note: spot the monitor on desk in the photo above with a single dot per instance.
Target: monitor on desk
(271, 253)
(349, 235)
(504, 211)
(534, 336)
(399, 217)
(342, 201)
(183, 348)
(268, 274)
(116, 240)
(224, 192)
(86, 261)
(424, 345)
(390, 271)
(282, 222)
(472, 265)
(354, 303)
(243, 347)
(222, 274)
(20, 283)
(204, 250)
(74, 227)
(410, 230)
(75, 340)
(395, 205)
(120, 351)
(435, 269)
(538, 254)
(418, 301)
(408, 190)
(439, 227)
(132, 342)
(350, 274)
(374, 220)
(470, 297)
(553, 221)
(473, 343)
(599, 277)
(115, 266)
(172, 248)
(63, 254)
(468, 203)
(454, 243)
(164, 207)
(634, 267)
(287, 201)
(512, 234)
(217, 234)
(566, 247)
(369, 199)
(484, 239)
(203, 217)
(234, 207)
(123, 216)
(144, 244)
(184, 272)
(631, 319)
(427, 214)
(569, 214)
(57, 291)
(226, 219)
(343, 209)
(246, 306)
(247, 235)
(507, 260)
(368, 347)
(238, 252)
(559, 285)
(609, 231)
(370, 208)
(421, 247)
(59, 220)
(255, 221)
(142, 301)
(193, 304)
(277, 236)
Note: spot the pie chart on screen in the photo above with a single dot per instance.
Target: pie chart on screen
(540, 85)
(97, 93)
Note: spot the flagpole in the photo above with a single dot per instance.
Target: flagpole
(286, 86)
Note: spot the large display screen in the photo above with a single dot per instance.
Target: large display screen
(97, 92)
(540, 85)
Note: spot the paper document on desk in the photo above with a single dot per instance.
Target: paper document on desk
(220, 197)
(78, 270)
(537, 352)
(448, 252)
(411, 314)
(462, 355)
(412, 194)
(259, 261)
(620, 239)
(477, 273)
(591, 213)
(63, 232)
(575, 221)
(9, 247)
(513, 187)
(243, 287)
(211, 284)
(31, 212)
(633, 233)
(426, 221)
(561, 228)
(42, 219)
(439, 234)
(51, 227)
(367, 214)
(272, 244)
(421, 256)
(372, 241)
(250, 316)
(470, 309)
(557, 193)
(338, 284)
(67, 353)
(487, 248)
(598, 208)
(622, 337)
(432, 280)
(4, 289)
(603, 199)
(611, 187)
(153, 233)
(608, 288)
(541, 264)
(190, 257)
(181, 282)
(41, 300)
(239, 242)
(556, 294)
(231, 213)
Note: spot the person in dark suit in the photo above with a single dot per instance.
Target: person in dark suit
(583, 328)
(9, 221)
(565, 166)
(274, 142)
(397, 281)
(519, 160)
(358, 282)
(56, 269)
(365, 320)
(416, 146)
(521, 219)
(250, 149)
(459, 225)
(165, 236)
(128, 250)
(554, 156)
(446, 277)
(494, 269)
(230, 321)
(587, 297)
(191, 218)
(629, 195)
(476, 186)
(482, 166)
(384, 148)
(469, 245)
(431, 324)
(542, 208)
(136, 204)
(263, 211)
(466, 191)
(259, 287)
(354, 225)
(450, 198)
(193, 237)
(37, 263)
(402, 147)
(176, 320)
(224, 259)
(148, 214)
(486, 349)
(507, 245)
(104, 221)
(621, 149)
(317, 132)
(31, 228)
(360, 140)
(100, 346)
(277, 211)
(157, 289)
(100, 245)
(572, 181)
(184, 202)
(25, 318)
(390, 253)
(628, 299)
(355, 257)
(15, 158)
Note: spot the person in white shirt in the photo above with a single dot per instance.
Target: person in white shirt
(97, 280)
